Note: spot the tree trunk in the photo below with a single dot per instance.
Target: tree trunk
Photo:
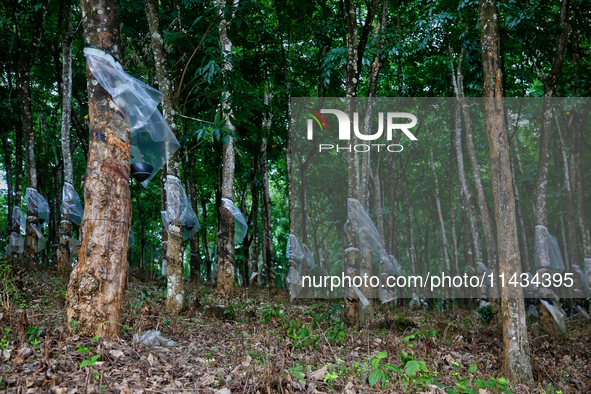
(140, 211)
(226, 251)
(195, 262)
(268, 260)
(26, 62)
(175, 294)
(63, 257)
(204, 241)
(460, 160)
(516, 352)
(586, 237)
(95, 291)
(8, 168)
(571, 223)
(487, 225)
(440, 215)
(550, 89)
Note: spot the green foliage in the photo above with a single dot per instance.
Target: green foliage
(91, 362)
(486, 313)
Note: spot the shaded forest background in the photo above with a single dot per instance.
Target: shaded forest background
(290, 49)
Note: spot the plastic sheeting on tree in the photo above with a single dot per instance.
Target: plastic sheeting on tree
(240, 226)
(18, 220)
(309, 256)
(369, 237)
(556, 262)
(583, 276)
(16, 244)
(296, 256)
(37, 205)
(152, 141)
(71, 204)
(557, 313)
(178, 208)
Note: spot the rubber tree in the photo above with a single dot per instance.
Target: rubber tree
(63, 254)
(26, 61)
(175, 293)
(226, 248)
(550, 82)
(97, 281)
(516, 351)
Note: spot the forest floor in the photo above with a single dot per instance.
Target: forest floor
(260, 342)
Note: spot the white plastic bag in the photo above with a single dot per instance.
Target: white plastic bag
(557, 313)
(545, 241)
(37, 205)
(16, 244)
(152, 141)
(153, 338)
(19, 221)
(71, 204)
(178, 208)
(240, 226)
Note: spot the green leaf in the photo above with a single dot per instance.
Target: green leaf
(392, 368)
(382, 355)
(412, 367)
(375, 363)
(463, 384)
(491, 383)
(473, 368)
(376, 376)
(480, 384)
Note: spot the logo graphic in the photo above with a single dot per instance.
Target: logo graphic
(345, 124)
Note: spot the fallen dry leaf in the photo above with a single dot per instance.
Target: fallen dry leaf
(319, 375)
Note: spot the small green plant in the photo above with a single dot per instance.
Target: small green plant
(6, 340)
(301, 335)
(378, 373)
(271, 312)
(486, 313)
(298, 372)
(90, 362)
(337, 331)
(74, 325)
(35, 336)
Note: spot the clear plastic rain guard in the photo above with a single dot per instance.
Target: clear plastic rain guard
(71, 204)
(240, 226)
(152, 141)
(295, 254)
(16, 241)
(37, 205)
(18, 220)
(367, 231)
(179, 208)
(583, 276)
(556, 262)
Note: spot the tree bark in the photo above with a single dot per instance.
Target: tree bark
(8, 169)
(487, 224)
(26, 62)
(577, 140)
(204, 241)
(516, 352)
(468, 198)
(440, 215)
(571, 223)
(226, 247)
(175, 294)
(95, 290)
(63, 258)
(268, 260)
(550, 89)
